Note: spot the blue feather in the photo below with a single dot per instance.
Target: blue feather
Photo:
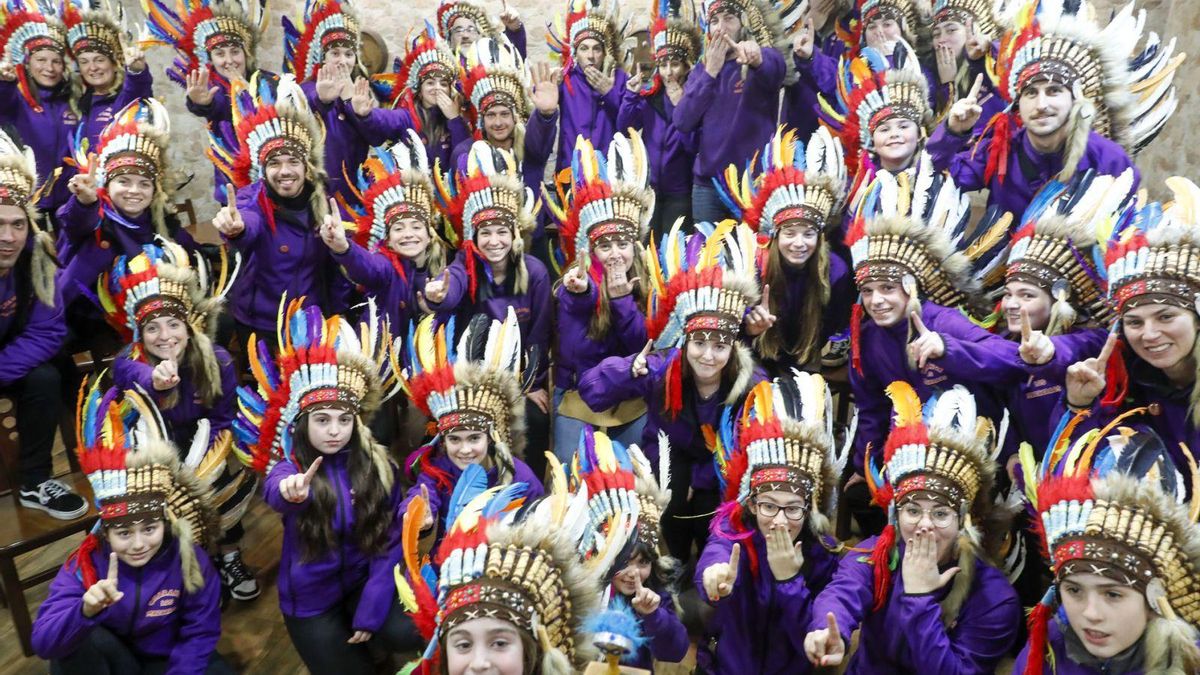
(503, 499)
(471, 484)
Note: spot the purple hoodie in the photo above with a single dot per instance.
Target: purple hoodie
(574, 351)
(345, 148)
(1028, 169)
(384, 125)
(48, 133)
(291, 258)
(732, 117)
(157, 616)
(393, 290)
(219, 116)
(834, 318)
(88, 244)
(1063, 664)
(585, 112)
(182, 418)
(99, 110)
(35, 342)
(311, 587)
(818, 75)
(670, 151)
(666, 636)
(908, 634)
(758, 628)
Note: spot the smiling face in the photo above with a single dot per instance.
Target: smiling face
(229, 60)
(485, 646)
(465, 447)
(131, 193)
(884, 301)
(408, 238)
(797, 241)
(781, 504)
(499, 124)
(135, 544)
(707, 358)
(14, 233)
(1161, 335)
(922, 514)
(635, 574)
(432, 86)
(1107, 617)
(1020, 295)
(463, 33)
(614, 254)
(285, 174)
(330, 429)
(47, 67)
(98, 71)
(895, 142)
(495, 242)
(1044, 108)
(165, 337)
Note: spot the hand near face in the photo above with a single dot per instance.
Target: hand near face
(919, 568)
(1086, 379)
(103, 593)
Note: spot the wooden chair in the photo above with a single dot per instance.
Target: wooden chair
(25, 530)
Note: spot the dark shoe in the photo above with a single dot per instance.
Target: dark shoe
(237, 577)
(55, 498)
(836, 353)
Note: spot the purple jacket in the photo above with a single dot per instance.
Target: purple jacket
(290, 258)
(532, 307)
(37, 340)
(88, 244)
(345, 149)
(539, 142)
(666, 636)
(99, 110)
(818, 76)
(969, 351)
(386, 124)
(732, 117)
(311, 587)
(157, 616)
(907, 635)
(182, 418)
(1035, 391)
(610, 382)
(585, 112)
(834, 318)
(758, 628)
(1028, 169)
(575, 352)
(393, 292)
(48, 133)
(670, 151)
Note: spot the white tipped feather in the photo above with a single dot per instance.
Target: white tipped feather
(200, 443)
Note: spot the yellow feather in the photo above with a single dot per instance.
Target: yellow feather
(407, 597)
(1029, 469)
(906, 403)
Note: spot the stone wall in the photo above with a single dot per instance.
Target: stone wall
(1171, 154)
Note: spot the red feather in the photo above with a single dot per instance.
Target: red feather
(856, 316)
(674, 386)
(1116, 377)
(880, 557)
(81, 558)
(1038, 622)
(997, 163)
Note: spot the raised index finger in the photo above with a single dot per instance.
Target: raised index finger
(831, 621)
(312, 470)
(1109, 345)
(112, 567)
(766, 296)
(918, 323)
(735, 557)
(333, 209)
(646, 350)
(1026, 329)
(975, 88)
(230, 195)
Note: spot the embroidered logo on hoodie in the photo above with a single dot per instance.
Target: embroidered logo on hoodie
(163, 603)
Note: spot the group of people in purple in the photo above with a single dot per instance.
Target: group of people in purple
(615, 295)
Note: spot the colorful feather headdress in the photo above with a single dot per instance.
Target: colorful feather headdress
(193, 28)
(1121, 91)
(1113, 503)
(428, 56)
(674, 32)
(768, 23)
(476, 382)
(451, 10)
(136, 475)
(320, 363)
(95, 26)
(609, 198)
(24, 29)
(270, 115)
(506, 560)
(903, 12)
(1155, 256)
(18, 187)
(162, 281)
(702, 283)
(871, 91)
(783, 440)
(326, 24)
(393, 182)
(977, 13)
(497, 75)
(598, 20)
(1056, 249)
(794, 183)
(134, 142)
(943, 451)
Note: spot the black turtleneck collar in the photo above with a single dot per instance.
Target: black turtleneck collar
(297, 203)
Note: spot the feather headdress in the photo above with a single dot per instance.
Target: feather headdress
(1113, 502)
(135, 141)
(474, 381)
(136, 475)
(428, 55)
(976, 13)
(943, 451)
(320, 363)
(597, 20)
(451, 10)
(194, 28)
(674, 31)
(496, 74)
(623, 496)
(95, 26)
(25, 29)
(609, 198)
(18, 187)
(1055, 247)
(325, 24)
(793, 183)
(393, 182)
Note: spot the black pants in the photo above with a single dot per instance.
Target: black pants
(103, 653)
(321, 640)
(38, 397)
(668, 209)
(870, 517)
(685, 522)
(537, 437)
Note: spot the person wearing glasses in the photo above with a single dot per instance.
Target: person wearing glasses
(770, 550)
(921, 593)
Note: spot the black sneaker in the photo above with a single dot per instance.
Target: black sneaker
(237, 577)
(836, 353)
(55, 498)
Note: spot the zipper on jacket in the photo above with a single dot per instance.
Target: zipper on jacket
(137, 602)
